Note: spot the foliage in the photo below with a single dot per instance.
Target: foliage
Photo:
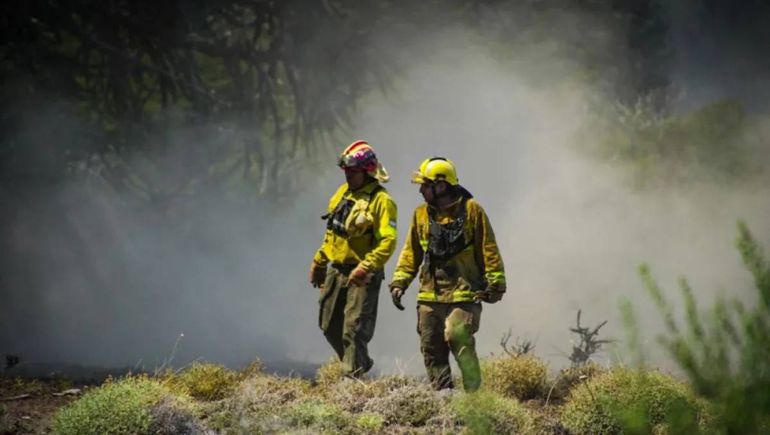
(521, 377)
(633, 401)
(267, 393)
(716, 141)
(570, 377)
(486, 412)
(233, 82)
(410, 405)
(330, 372)
(124, 406)
(352, 394)
(205, 381)
(318, 415)
(725, 354)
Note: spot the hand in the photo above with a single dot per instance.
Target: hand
(396, 293)
(359, 277)
(317, 275)
(488, 296)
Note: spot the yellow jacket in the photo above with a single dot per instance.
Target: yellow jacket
(374, 247)
(477, 267)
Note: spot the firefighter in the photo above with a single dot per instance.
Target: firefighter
(451, 249)
(360, 237)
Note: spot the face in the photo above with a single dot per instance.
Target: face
(431, 191)
(355, 177)
(427, 192)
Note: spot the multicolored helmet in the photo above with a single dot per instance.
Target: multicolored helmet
(360, 154)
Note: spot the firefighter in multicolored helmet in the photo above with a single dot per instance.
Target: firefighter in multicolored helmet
(348, 268)
(451, 249)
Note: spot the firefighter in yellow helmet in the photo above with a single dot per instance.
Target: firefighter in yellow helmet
(451, 249)
(360, 237)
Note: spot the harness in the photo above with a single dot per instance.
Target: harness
(446, 240)
(337, 220)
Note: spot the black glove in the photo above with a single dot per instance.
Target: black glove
(396, 293)
(317, 275)
(489, 296)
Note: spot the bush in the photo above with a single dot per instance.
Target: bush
(117, 407)
(410, 405)
(570, 377)
(205, 381)
(726, 354)
(330, 373)
(352, 395)
(317, 415)
(486, 412)
(259, 404)
(369, 423)
(169, 419)
(269, 393)
(632, 401)
(520, 377)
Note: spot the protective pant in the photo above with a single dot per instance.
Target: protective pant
(347, 318)
(445, 327)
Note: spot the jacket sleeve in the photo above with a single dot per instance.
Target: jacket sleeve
(385, 215)
(486, 246)
(410, 259)
(320, 257)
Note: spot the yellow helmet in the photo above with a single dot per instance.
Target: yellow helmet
(436, 169)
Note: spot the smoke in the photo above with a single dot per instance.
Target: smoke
(98, 280)
(571, 230)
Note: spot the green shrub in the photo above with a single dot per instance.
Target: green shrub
(521, 377)
(117, 407)
(725, 354)
(632, 401)
(485, 412)
(570, 377)
(369, 423)
(206, 381)
(318, 415)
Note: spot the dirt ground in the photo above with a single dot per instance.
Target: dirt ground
(32, 414)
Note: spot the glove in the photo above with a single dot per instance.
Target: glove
(488, 296)
(359, 276)
(317, 275)
(396, 293)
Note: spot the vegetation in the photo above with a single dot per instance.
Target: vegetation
(127, 406)
(726, 353)
(632, 401)
(205, 381)
(487, 412)
(519, 377)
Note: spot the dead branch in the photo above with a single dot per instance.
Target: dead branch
(520, 346)
(588, 345)
(12, 398)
